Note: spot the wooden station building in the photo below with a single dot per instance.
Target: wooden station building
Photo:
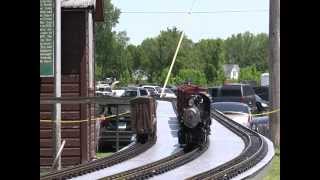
(77, 79)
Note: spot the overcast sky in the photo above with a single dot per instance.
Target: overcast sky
(196, 26)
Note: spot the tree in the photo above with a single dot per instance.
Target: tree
(249, 73)
(111, 56)
(160, 50)
(196, 77)
(247, 49)
(211, 58)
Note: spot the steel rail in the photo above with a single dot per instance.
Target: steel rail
(89, 167)
(161, 166)
(255, 150)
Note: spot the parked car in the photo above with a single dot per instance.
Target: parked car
(173, 88)
(213, 91)
(261, 125)
(104, 91)
(262, 105)
(102, 84)
(118, 92)
(262, 91)
(168, 93)
(239, 112)
(236, 92)
(107, 138)
(135, 91)
(154, 90)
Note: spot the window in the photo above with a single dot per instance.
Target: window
(130, 93)
(231, 91)
(158, 89)
(247, 90)
(214, 92)
(143, 92)
(231, 107)
(168, 91)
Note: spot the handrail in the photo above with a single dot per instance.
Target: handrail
(86, 100)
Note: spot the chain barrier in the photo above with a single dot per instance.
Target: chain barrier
(85, 120)
(266, 113)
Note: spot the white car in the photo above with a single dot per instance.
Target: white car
(104, 91)
(118, 92)
(135, 91)
(153, 90)
(168, 93)
(102, 84)
(239, 112)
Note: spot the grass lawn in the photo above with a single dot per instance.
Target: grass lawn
(103, 154)
(274, 171)
(99, 155)
(43, 171)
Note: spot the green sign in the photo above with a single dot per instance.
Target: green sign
(46, 38)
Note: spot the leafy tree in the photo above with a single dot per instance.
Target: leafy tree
(111, 58)
(249, 73)
(196, 77)
(247, 49)
(160, 50)
(211, 58)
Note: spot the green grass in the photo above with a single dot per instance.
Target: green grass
(43, 171)
(274, 171)
(103, 154)
(99, 155)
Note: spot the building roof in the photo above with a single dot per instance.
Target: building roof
(228, 67)
(78, 3)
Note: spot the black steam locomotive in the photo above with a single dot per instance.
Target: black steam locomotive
(193, 106)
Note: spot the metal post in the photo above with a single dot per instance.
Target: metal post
(56, 129)
(117, 129)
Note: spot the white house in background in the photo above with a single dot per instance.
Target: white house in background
(265, 79)
(231, 71)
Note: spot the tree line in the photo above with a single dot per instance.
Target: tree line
(201, 62)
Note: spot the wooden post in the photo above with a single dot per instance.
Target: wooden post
(117, 129)
(274, 65)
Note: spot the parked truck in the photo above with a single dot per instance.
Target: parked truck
(235, 92)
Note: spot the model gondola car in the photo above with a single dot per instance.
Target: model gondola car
(193, 106)
(143, 115)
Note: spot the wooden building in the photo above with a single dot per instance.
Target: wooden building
(77, 79)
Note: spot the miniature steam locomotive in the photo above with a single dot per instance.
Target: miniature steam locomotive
(193, 106)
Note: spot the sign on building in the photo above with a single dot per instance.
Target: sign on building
(46, 38)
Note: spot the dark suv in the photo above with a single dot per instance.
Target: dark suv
(236, 92)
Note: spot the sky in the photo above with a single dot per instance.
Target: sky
(199, 26)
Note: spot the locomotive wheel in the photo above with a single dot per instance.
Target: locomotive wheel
(181, 137)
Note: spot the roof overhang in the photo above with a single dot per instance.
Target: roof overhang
(97, 5)
(78, 3)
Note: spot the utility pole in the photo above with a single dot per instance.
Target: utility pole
(274, 66)
(56, 128)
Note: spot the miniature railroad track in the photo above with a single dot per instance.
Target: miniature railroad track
(85, 168)
(255, 150)
(146, 171)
